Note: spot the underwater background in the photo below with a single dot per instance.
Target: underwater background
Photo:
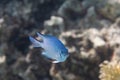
(90, 29)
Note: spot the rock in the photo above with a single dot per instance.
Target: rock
(98, 42)
(108, 9)
(55, 24)
(72, 11)
(95, 37)
(2, 59)
(111, 35)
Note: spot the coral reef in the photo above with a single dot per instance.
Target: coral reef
(90, 29)
(110, 70)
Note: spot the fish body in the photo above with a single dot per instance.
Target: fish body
(53, 48)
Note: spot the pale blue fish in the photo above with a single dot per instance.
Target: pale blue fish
(53, 48)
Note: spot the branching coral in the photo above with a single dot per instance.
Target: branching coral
(110, 70)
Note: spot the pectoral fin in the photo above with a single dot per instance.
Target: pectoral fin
(55, 61)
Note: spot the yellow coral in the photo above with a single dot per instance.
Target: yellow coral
(110, 70)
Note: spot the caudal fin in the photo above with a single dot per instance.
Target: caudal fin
(35, 42)
(40, 35)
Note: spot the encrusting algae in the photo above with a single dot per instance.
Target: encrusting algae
(110, 70)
